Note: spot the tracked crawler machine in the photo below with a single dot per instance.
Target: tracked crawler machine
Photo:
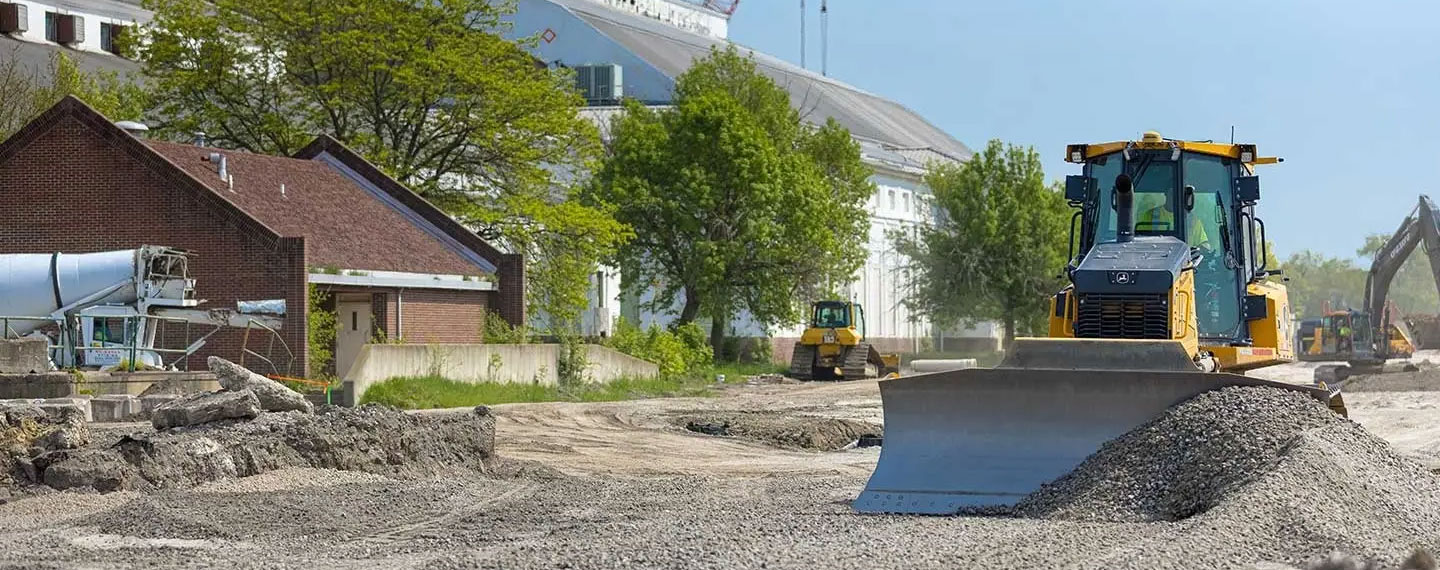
(1366, 338)
(1168, 298)
(834, 346)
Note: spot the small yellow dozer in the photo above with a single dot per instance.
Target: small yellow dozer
(833, 347)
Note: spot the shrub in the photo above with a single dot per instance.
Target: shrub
(496, 331)
(321, 333)
(675, 352)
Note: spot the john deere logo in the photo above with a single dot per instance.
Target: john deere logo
(1121, 277)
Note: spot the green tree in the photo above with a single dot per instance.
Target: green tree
(1413, 288)
(736, 203)
(430, 92)
(999, 250)
(26, 91)
(1315, 279)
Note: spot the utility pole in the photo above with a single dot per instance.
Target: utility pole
(824, 39)
(802, 34)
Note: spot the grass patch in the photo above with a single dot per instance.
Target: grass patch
(429, 392)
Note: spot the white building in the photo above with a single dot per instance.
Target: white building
(85, 30)
(623, 49)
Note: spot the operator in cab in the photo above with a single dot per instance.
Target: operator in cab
(1161, 218)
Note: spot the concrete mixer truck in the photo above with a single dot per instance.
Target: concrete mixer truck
(102, 309)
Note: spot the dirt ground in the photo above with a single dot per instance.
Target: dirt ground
(621, 484)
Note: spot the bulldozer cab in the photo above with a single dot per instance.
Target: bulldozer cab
(1193, 193)
(837, 315)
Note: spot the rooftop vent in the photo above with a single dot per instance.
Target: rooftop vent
(133, 127)
(600, 84)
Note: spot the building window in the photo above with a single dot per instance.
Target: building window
(907, 202)
(52, 27)
(110, 36)
(892, 199)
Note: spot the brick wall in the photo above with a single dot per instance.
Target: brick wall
(511, 299)
(438, 316)
(77, 188)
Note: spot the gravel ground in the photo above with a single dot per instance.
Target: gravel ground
(1423, 380)
(781, 429)
(1327, 485)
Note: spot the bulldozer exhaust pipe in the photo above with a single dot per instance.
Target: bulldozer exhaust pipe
(1124, 209)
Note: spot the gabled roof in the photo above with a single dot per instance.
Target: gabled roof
(345, 222)
(671, 51)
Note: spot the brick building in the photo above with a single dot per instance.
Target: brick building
(260, 227)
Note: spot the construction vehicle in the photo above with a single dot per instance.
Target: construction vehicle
(102, 309)
(1168, 297)
(1366, 338)
(833, 346)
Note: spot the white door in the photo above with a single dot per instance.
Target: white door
(352, 321)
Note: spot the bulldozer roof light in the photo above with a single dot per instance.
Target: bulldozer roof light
(1245, 153)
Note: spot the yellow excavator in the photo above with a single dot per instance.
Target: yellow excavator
(1366, 338)
(1168, 298)
(833, 346)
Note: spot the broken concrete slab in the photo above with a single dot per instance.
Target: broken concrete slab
(273, 396)
(55, 406)
(148, 404)
(206, 408)
(116, 408)
(29, 429)
(24, 355)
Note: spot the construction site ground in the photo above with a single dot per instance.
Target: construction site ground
(649, 484)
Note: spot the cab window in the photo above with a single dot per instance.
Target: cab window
(831, 316)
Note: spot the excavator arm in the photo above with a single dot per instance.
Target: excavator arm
(1422, 225)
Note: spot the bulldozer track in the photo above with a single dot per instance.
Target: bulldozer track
(855, 361)
(801, 362)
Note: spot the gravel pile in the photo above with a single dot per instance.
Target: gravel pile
(1268, 472)
(1184, 462)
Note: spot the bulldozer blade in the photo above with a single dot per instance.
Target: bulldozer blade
(974, 438)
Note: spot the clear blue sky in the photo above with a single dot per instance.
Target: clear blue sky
(1348, 93)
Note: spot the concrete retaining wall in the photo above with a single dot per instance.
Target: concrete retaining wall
(64, 384)
(485, 363)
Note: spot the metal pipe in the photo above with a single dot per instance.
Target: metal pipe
(1124, 209)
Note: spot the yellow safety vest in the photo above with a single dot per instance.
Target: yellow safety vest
(1161, 217)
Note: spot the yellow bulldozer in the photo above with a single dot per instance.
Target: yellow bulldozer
(833, 346)
(1168, 297)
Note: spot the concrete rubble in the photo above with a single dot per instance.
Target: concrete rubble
(372, 439)
(273, 396)
(205, 408)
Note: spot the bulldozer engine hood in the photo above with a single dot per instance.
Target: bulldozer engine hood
(1149, 264)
